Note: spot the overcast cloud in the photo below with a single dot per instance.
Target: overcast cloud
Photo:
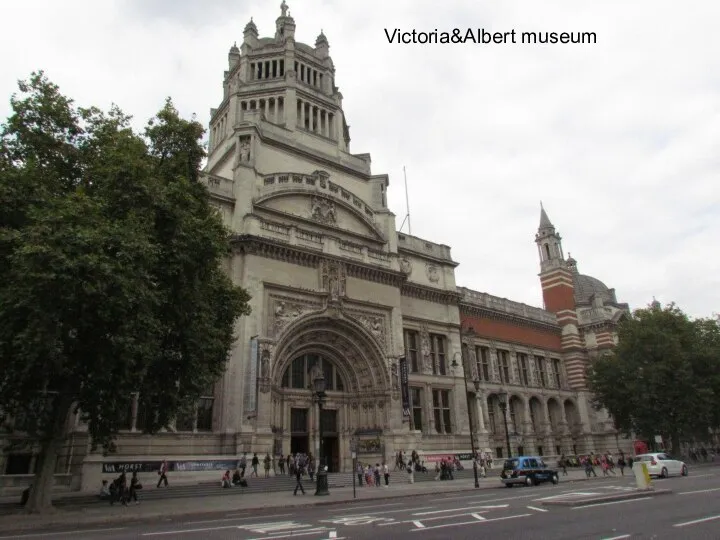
(619, 139)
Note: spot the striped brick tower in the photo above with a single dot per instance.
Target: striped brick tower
(558, 290)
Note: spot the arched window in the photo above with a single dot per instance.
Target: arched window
(547, 251)
(297, 375)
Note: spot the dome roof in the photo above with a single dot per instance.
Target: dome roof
(587, 286)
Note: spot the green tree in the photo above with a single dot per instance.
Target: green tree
(112, 271)
(657, 380)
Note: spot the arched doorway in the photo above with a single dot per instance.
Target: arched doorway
(361, 386)
(297, 377)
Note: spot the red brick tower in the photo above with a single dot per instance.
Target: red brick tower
(558, 290)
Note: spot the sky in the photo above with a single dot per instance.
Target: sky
(618, 139)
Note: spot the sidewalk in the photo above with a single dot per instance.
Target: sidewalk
(197, 508)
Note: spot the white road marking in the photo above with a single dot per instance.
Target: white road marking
(418, 524)
(458, 509)
(698, 491)
(292, 535)
(475, 522)
(592, 505)
(479, 517)
(245, 514)
(273, 527)
(617, 537)
(186, 531)
(696, 521)
(355, 520)
(569, 495)
(233, 519)
(537, 509)
(70, 533)
(436, 518)
(376, 506)
(390, 511)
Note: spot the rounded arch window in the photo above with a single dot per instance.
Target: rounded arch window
(297, 374)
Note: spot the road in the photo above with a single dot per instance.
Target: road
(691, 511)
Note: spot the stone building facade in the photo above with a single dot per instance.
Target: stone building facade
(334, 283)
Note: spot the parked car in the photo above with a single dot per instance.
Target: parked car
(662, 465)
(528, 471)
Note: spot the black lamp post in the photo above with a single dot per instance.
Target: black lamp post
(466, 367)
(318, 379)
(503, 401)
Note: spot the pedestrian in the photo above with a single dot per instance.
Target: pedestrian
(376, 475)
(386, 474)
(162, 473)
(281, 464)
(266, 463)
(255, 462)
(135, 486)
(298, 480)
(359, 472)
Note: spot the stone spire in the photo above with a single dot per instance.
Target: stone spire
(250, 34)
(322, 47)
(545, 222)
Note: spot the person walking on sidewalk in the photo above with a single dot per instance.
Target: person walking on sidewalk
(255, 462)
(162, 473)
(135, 486)
(298, 480)
(386, 474)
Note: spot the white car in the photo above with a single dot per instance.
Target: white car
(662, 465)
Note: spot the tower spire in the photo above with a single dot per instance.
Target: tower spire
(545, 222)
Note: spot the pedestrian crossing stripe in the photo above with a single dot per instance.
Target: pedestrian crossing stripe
(278, 526)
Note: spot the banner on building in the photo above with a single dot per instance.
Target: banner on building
(404, 386)
(251, 381)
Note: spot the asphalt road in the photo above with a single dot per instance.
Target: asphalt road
(691, 512)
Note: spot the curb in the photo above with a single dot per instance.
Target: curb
(573, 503)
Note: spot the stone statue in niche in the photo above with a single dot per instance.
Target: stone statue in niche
(425, 350)
(395, 377)
(283, 8)
(405, 266)
(244, 150)
(432, 273)
(323, 210)
(265, 364)
(333, 279)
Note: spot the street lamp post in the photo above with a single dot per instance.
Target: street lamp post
(466, 366)
(503, 401)
(318, 379)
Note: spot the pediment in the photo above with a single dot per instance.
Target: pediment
(320, 209)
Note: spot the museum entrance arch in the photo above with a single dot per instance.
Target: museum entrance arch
(359, 387)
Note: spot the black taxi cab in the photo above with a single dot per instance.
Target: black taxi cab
(528, 471)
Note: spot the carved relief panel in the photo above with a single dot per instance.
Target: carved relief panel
(285, 310)
(433, 274)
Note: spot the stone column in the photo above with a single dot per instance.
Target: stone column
(267, 108)
(479, 412)
(275, 111)
(529, 426)
(302, 114)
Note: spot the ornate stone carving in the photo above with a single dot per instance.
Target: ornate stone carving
(323, 210)
(425, 351)
(432, 272)
(283, 8)
(374, 325)
(285, 312)
(405, 266)
(333, 277)
(395, 377)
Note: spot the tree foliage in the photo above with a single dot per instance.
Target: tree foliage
(112, 270)
(663, 378)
